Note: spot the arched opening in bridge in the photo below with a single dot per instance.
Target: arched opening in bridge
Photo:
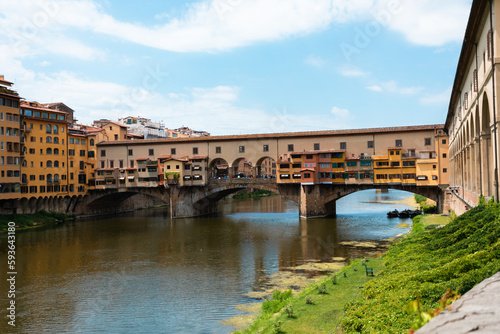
(218, 169)
(242, 168)
(265, 168)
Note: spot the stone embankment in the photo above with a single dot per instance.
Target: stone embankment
(477, 311)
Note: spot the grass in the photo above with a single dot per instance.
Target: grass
(29, 220)
(315, 309)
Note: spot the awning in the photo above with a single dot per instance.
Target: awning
(122, 178)
(130, 177)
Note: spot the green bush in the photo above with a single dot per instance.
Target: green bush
(277, 302)
(419, 198)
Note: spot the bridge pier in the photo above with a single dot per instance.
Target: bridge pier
(313, 203)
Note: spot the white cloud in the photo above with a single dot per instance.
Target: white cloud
(375, 88)
(352, 71)
(315, 61)
(341, 113)
(436, 99)
(217, 25)
(393, 87)
(430, 22)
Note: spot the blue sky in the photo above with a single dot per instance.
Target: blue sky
(238, 66)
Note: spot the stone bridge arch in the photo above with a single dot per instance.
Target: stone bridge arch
(320, 201)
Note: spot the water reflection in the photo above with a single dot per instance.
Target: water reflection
(144, 273)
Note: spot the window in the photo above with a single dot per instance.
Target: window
(408, 163)
(443, 141)
(56, 140)
(392, 152)
(121, 163)
(445, 170)
(352, 163)
(337, 155)
(116, 137)
(151, 151)
(56, 151)
(49, 151)
(91, 154)
(173, 151)
(307, 175)
(316, 147)
(32, 178)
(72, 153)
(71, 176)
(399, 143)
(82, 153)
(309, 156)
(444, 155)
(111, 164)
(427, 141)
(343, 146)
(32, 151)
(365, 163)
(103, 153)
(433, 166)
(82, 165)
(290, 147)
(56, 130)
(49, 163)
(92, 143)
(102, 164)
(48, 128)
(71, 164)
(241, 149)
(265, 148)
(371, 144)
(56, 164)
(33, 139)
(195, 150)
(72, 140)
(218, 150)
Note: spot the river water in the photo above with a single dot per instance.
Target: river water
(144, 273)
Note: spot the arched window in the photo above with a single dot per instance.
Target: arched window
(48, 139)
(56, 163)
(49, 178)
(56, 178)
(56, 130)
(92, 142)
(49, 151)
(49, 163)
(48, 128)
(56, 140)
(56, 151)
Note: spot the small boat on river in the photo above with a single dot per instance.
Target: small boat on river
(393, 214)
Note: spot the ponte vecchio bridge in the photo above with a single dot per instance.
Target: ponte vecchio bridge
(313, 169)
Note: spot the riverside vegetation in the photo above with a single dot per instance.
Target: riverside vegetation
(415, 279)
(34, 219)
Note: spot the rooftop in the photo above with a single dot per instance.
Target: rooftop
(279, 135)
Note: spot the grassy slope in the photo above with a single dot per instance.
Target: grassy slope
(323, 316)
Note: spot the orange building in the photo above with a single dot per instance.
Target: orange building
(11, 146)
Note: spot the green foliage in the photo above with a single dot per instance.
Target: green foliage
(421, 318)
(289, 311)
(277, 328)
(429, 209)
(253, 194)
(322, 289)
(492, 200)
(27, 220)
(310, 301)
(419, 198)
(426, 264)
(482, 200)
(277, 302)
(334, 279)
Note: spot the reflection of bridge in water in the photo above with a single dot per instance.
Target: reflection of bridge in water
(317, 200)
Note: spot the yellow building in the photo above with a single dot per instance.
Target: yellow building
(46, 151)
(11, 148)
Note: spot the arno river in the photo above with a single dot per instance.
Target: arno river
(143, 273)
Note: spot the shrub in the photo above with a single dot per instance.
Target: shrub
(277, 301)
